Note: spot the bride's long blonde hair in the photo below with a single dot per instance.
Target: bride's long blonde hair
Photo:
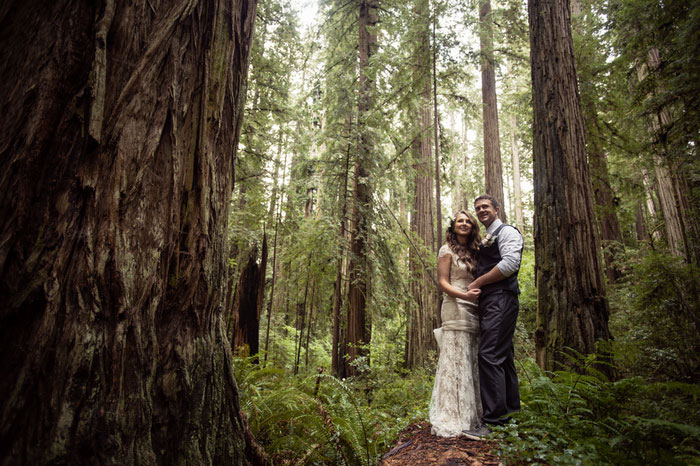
(466, 253)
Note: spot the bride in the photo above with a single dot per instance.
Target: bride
(455, 405)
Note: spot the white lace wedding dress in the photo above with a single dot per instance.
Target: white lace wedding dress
(456, 402)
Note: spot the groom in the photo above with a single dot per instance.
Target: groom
(497, 276)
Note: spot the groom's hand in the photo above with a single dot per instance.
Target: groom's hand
(473, 295)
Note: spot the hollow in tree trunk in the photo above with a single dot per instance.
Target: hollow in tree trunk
(246, 310)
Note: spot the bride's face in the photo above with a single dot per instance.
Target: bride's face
(462, 225)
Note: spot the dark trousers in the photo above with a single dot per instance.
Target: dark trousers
(499, 383)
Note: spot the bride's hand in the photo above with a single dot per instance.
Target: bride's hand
(473, 295)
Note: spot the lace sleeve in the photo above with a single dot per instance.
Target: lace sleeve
(444, 251)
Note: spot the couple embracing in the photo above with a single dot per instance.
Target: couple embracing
(475, 384)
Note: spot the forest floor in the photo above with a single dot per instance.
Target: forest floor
(417, 446)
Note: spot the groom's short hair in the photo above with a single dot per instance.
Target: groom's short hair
(489, 198)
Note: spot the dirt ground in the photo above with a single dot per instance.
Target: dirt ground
(416, 446)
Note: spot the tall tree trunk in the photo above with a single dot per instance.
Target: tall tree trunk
(274, 214)
(357, 330)
(651, 205)
(493, 169)
(518, 201)
(436, 139)
(572, 309)
(337, 346)
(423, 314)
(120, 122)
(308, 325)
(640, 225)
(301, 315)
(272, 293)
(665, 188)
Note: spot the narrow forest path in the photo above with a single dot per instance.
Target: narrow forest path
(416, 446)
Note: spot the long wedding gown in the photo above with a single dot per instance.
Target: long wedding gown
(455, 404)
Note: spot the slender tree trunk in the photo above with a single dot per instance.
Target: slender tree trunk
(518, 201)
(120, 122)
(357, 330)
(274, 206)
(309, 324)
(301, 315)
(337, 353)
(272, 293)
(436, 141)
(640, 225)
(493, 169)
(572, 309)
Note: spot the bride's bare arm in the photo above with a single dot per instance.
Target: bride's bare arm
(443, 270)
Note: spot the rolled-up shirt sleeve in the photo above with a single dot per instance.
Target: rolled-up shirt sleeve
(510, 245)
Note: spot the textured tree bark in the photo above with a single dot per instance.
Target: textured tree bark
(665, 186)
(423, 316)
(572, 309)
(357, 328)
(493, 169)
(120, 124)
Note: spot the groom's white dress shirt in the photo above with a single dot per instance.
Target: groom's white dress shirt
(510, 245)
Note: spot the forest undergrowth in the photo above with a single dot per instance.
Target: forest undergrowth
(649, 415)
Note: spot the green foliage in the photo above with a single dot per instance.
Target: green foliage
(527, 318)
(318, 419)
(573, 419)
(656, 317)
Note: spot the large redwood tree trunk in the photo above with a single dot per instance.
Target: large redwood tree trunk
(572, 308)
(120, 122)
(423, 317)
(357, 329)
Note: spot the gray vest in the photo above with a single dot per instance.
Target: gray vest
(489, 256)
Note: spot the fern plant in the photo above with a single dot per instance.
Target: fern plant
(318, 419)
(581, 419)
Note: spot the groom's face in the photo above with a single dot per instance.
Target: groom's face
(485, 212)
